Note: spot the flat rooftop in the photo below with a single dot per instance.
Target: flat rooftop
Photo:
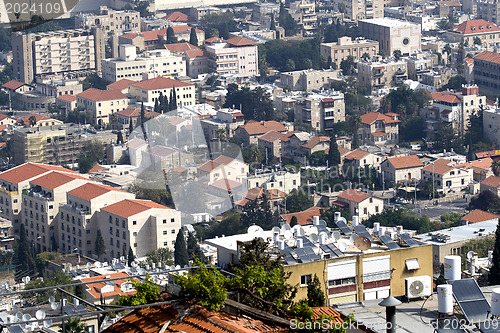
(389, 22)
(460, 233)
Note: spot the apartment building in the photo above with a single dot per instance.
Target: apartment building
(356, 10)
(483, 9)
(401, 169)
(304, 13)
(487, 72)
(419, 64)
(237, 55)
(321, 112)
(116, 22)
(148, 91)
(346, 46)
(252, 130)
(467, 32)
(378, 129)
(446, 177)
(155, 38)
(309, 79)
(70, 52)
(132, 67)
(223, 125)
(57, 145)
(491, 124)
(223, 167)
(101, 103)
(196, 62)
(392, 34)
(360, 159)
(382, 74)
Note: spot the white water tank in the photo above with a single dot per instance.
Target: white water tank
(376, 228)
(355, 220)
(300, 243)
(336, 216)
(323, 238)
(276, 236)
(452, 268)
(399, 229)
(281, 244)
(445, 299)
(315, 220)
(495, 302)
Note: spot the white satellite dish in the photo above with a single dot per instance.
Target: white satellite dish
(77, 266)
(98, 264)
(276, 230)
(353, 238)
(53, 305)
(40, 315)
(336, 235)
(178, 267)
(88, 265)
(26, 317)
(313, 238)
(285, 227)
(470, 255)
(322, 222)
(105, 264)
(288, 234)
(342, 246)
(134, 264)
(52, 299)
(142, 271)
(254, 229)
(47, 323)
(19, 315)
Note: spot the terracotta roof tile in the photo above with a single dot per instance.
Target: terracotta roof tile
(356, 154)
(344, 151)
(304, 217)
(488, 56)
(475, 27)
(191, 54)
(445, 96)
(212, 40)
(478, 215)
(353, 195)
(271, 136)
(226, 184)
(120, 84)
(91, 191)
(13, 84)
(315, 140)
(28, 171)
(147, 35)
(136, 143)
(403, 162)
(55, 179)
(180, 47)
(240, 41)
(492, 181)
(97, 168)
(371, 117)
(262, 127)
(177, 17)
(182, 29)
(67, 98)
(333, 314)
(439, 166)
(160, 82)
(95, 288)
(129, 207)
(38, 117)
(101, 95)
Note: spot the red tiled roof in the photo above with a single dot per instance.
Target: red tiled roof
(67, 98)
(162, 151)
(147, 35)
(136, 143)
(91, 191)
(314, 141)
(180, 47)
(101, 95)
(160, 82)
(469, 61)
(475, 27)
(177, 17)
(180, 29)
(488, 56)
(304, 217)
(271, 136)
(39, 117)
(95, 288)
(13, 84)
(55, 179)
(343, 151)
(3, 128)
(445, 96)
(212, 40)
(28, 171)
(332, 314)
(492, 181)
(97, 168)
(226, 184)
(195, 53)
(440, 166)
(379, 133)
(120, 84)
(240, 41)
(371, 117)
(483, 154)
(356, 154)
(478, 215)
(136, 112)
(255, 128)
(353, 195)
(130, 207)
(403, 162)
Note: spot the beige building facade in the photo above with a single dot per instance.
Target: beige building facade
(148, 91)
(112, 21)
(346, 46)
(382, 75)
(321, 112)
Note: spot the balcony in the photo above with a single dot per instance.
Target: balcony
(73, 209)
(36, 193)
(378, 72)
(4, 190)
(401, 71)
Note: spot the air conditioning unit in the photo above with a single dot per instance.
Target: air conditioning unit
(418, 286)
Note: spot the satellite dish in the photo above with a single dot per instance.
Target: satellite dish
(314, 238)
(98, 264)
(52, 299)
(285, 227)
(336, 235)
(323, 223)
(19, 315)
(288, 234)
(40, 315)
(362, 243)
(470, 254)
(53, 305)
(47, 323)
(342, 246)
(142, 271)
(254, 229)
(77, 266)
(105, 264)
(26, 317)
(276, 230)
(178, 267)
(88, 265)
(353, 238)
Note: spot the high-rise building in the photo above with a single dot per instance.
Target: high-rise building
(67, 52)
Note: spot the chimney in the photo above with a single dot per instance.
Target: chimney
(390, 304)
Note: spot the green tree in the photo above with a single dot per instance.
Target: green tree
(43, 258)
(119, 137)
(397, 54)
(193, 248)
(494, 276)
(404, 217)
(147, 293)
(298, 200)
(130, 127)
(100, 247)
(273, 24)
(161, 255)
(214, 23)
(333, 153)
(318, 158)
(56, 278)
(315, 295)
(193, 38)
(93, 152)
(287, 22)
(224, 31)
(24, 257)
(130, 257)
(32, 121)
(254, 253)
(355, 122)
(171, 35)
(478, 41)
(293, 221)
(346, 65)
(495, 166)
(365, 56)
(74, 325)
(180, 251)
(486, 200)
(258, 212)
(255, 104)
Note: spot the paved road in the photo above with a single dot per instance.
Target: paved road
(425, 207)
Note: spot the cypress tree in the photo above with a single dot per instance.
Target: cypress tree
(165, 106)
(130, 127)
(273, 24)
(171, 99)
(494, 276)
(130, 257)
(119, 137)
(171, 35)
(315, 296)
(224, 31)
(193, 38)
(180, 250)
(333, 153)
(293, 221)
(193, 248)
(158, 104)
(174, 99)
(100, 247)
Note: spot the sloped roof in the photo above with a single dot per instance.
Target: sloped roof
(469, 61)
(130, 207)
(315, 140)
(240, 41)
(94, 288)
(54, 179)
(439, 166)
(304, 217)
(38, 117)
(195, 53)
(147, 35)
(492, 181)
(226, 184)
(478, 215)
(255, 128)
(371, 117)
(488, 56)
(135, 143)
(356, 154)
(445, 96)
(450, 3)
(403, 162)
(353, 195)
(271, 136)
(97, 168)
(177, 17)
(120, 84)
(343, 151)
(475, 27)
(212, 40)
(180, 47)
(136, 112)
(91, 191)
(67, 98)
(29, 170)
(180, 29)
(13, 84)
(101, 95)
(160, 82)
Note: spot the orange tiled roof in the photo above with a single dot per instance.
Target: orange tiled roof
(180, 29)
(91, 191)
(488, 56)
(403, 162)
(97, 168)
(28, 171)
(180, 47)
(271, 136)
(195, 53)
(226, 184)
(38, 117)
(356, 154)
(147, 35)
(212, 40)
(304, 217)
(492, 181)
(135, 143)
(333, 314)
(469, 61)
(445, 96)
(240, 41)
(177, 17)
(95, 288)
(371, 117)
(475, 27)
(136, 112)
(160, 82)
(314, 141)
(101, 95)
(255, 127)
(343, 151)
(439, 166)
(120, 84)
(478, 215)
(353, 195)
(129, 207)
(55, 179)
(13, 84)
(67, 98)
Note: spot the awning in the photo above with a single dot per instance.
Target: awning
(412, 264)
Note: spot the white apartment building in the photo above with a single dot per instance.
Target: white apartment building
(283, 181)
(381, 75)
(491, 125)
(112, 21)
(346, 46)
(102, 103)
(321, 111)
(304, 12)
(148, 91)
(446, 177)
(237, 55)
(132, 67)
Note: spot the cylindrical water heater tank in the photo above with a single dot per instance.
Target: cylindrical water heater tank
(495, 302)
(452, 268)
(445, 299)
(355, 220)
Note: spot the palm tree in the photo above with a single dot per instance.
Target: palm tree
(32, 121)
(73, 325)
(495, 167)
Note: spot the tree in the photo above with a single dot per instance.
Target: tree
(255, 104)
(346, 65)
(254, 253)
(43, 258)
(258, 212)
(171, 35)
(74, 325)
(355, 122)
(213, 23)
(174, 99)
(333, 153)
(293, 221)
(298, 200)
(397, 54)
(273, 24)
(287, 22)
(193, 38)
(56, 278)
(486, 200)
(181, 257)
(478, 41)
(318, 158)
(495, 166)
(454, 83)
(147, 293)
(23, 253)
(224, 31)
(119, 137)
(315, 295)
(494, 276)
(365, 56)
(130, 257)
(130, 127)
(100, 247)
(32, 121)
(193, 248)
(161, 255)
(92, 153)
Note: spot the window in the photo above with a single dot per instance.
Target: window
(165, 232)
(304, 280)
(340, 282)
(165, 243)
(134, 222)
(173, 231)
(164, 221)
(365, 210)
